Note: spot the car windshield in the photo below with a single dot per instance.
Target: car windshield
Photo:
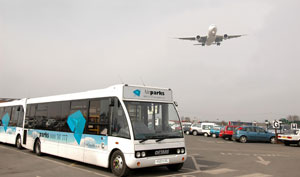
(154, 120)
(229, 128)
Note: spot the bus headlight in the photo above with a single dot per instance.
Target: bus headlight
(138, 154)
(143, 154)
(182, 151)
(178, 151)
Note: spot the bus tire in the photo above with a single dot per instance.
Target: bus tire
(118, 165)
(175, 167)
(19, 142)
(37, 147)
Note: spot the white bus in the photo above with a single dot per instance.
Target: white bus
(11, 121)
(122, 127)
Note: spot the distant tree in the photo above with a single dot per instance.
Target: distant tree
(223, 123)
(284, 121)
(188, 119)
(293, 118)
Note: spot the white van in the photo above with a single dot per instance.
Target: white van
(202, 128)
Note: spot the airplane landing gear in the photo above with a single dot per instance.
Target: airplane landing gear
(218, 44)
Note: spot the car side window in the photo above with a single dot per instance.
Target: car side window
(260, 130)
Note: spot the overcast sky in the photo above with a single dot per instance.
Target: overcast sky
(50, 47)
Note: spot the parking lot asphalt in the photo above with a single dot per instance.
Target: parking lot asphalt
(206, 157)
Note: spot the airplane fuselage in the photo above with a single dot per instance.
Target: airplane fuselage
(212, 34)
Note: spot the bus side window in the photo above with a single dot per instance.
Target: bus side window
(20, 117)
(41, 116)
(14, 116)
(119, 125)
(64, 116)
(30, 114)
(97, 122)
(54, 116)
(7, 110)
(80, 105)
(1, 115)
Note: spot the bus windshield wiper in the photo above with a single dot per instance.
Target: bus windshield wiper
(160, 139)
(143, 140)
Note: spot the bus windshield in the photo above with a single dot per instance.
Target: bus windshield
(154, 120)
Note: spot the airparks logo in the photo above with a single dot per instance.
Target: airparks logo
(137, 92)
(160, 93)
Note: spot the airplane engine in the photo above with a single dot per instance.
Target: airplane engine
(225, 36)
(198, 38)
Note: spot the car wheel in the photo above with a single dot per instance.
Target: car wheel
(206, 134)
(187, 132)
(18, 143)
(286, 143)
(214, 135)
(298, 143)
(195, 133)
(118, 165)
(175, 167)
(272, 140)
(243, 139)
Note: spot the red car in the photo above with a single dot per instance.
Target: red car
(227, 131)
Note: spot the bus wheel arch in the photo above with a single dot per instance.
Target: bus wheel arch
(117, 157)
(18, 142)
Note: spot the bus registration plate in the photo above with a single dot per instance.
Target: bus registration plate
(161, 161)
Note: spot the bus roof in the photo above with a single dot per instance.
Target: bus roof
(13, 103)
(122, 91)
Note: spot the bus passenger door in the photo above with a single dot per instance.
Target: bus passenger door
(95, 137)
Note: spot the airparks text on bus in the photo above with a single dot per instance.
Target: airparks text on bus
(121, 127)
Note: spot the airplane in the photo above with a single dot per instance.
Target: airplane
(211, 38)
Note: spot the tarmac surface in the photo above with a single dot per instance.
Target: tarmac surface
(207, 157)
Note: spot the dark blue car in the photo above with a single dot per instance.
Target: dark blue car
(249, 133)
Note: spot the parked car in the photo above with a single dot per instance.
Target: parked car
(215, 131)
(227, 131)
(290, 137)
(202, 128)
(250, 133)
(186, 128)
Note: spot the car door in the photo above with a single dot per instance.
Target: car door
(251, 133)
(261, 134)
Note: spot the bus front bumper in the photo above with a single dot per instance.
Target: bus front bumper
(133, 162)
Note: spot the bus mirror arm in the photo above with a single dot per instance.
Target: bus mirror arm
(112, 103)
(176, 104)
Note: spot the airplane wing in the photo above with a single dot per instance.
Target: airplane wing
(201, 39)
(188, 38)
(225, 36)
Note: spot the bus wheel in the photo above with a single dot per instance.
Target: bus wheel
(175, 167)
(118, 165)
(18, 142)
(37, 148)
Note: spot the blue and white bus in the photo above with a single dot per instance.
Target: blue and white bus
(11, 122)
(122, 127)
